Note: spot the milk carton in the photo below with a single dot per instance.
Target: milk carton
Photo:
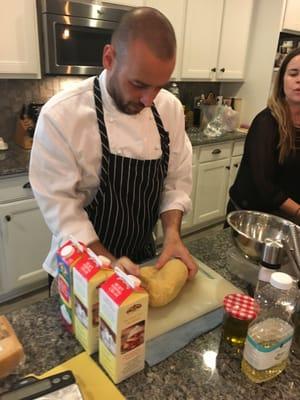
(88, 274)
(67, 256)
(123, 316)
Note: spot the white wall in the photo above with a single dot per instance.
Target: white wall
(265, 29)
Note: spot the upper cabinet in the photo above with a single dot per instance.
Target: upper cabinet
(19, 55)
(175, 12)
(216, 39)
(291, 20)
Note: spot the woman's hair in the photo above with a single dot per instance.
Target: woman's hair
(281, 111)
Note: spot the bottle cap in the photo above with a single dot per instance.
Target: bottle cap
(282, 281)
(67, 251)
(272, 252)
(240, 306)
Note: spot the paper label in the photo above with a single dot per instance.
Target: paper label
(117, 289)
(265, 346)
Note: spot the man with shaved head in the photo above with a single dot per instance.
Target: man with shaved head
(111, 155)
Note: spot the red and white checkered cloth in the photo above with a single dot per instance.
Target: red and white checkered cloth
(240, 306)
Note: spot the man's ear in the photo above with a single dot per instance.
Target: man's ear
(108, 57)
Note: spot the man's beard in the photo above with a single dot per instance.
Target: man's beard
(129, 107)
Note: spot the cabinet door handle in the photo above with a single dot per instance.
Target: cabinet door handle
(227, 167)
(236, 165)
(222, 70)
(7, 218)
(27, 185)
(216, 151)
(213, 69)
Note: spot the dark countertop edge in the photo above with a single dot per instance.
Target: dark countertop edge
(17, 161)
(205, 140)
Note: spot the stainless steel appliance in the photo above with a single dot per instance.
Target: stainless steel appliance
(73, 34)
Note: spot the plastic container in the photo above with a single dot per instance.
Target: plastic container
(240, 310)
(270, 335)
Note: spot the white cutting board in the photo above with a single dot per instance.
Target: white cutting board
(200, 296)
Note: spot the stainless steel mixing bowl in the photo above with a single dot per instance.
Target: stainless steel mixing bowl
(251, 228)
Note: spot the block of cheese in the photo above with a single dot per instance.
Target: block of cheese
(164, 284)
(11, 350)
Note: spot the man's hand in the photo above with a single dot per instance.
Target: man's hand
(126, 265)
(174, 248)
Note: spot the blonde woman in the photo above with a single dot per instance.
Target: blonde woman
(269, 176)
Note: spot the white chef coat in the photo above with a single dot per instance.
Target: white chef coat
(65, 161)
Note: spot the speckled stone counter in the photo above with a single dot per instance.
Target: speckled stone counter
(190, 373)
(13, 161)
(198, 138)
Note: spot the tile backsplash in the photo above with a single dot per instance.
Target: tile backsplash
(16, 92)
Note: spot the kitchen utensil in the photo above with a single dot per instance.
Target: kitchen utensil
(250, 229)
(295, 239)
(292, 259)
(92, 381)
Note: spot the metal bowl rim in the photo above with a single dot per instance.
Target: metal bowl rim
(258, 213)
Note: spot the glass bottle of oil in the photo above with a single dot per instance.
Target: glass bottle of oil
(270, 335)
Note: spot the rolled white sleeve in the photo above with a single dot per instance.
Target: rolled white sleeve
(55, 177)
(178, 183)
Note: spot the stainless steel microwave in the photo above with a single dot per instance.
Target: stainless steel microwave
(73, 34)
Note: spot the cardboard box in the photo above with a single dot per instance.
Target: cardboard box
(123, 317)
(67, 256)
(87, 276)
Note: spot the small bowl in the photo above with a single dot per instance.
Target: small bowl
(251, 228)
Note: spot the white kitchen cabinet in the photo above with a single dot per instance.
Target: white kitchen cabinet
(19, 55)
(24, 242)
(237, 154)
(188, 219)
(233, 43)
(291, 20)
(201, 38)
(234, 167)
(175, 12)
(216, 39)
(211, 191)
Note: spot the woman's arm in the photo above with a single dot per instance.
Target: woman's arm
(292, 209)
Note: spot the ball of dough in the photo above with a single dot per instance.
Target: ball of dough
(164, 284)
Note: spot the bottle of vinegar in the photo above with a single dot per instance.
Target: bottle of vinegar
(270, 335)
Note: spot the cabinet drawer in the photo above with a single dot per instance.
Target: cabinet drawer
(238, 148)
(214, 152)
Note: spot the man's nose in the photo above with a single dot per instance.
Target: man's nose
(148, 96)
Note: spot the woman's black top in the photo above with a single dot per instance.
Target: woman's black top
(262, 184)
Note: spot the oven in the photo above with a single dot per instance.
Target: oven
(74, 33)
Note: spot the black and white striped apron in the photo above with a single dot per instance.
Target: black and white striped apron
(126, 206)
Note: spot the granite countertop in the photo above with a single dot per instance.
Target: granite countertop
(198, 138)
(13, 161)
(184, 375)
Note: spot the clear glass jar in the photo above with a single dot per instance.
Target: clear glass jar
(240, 310)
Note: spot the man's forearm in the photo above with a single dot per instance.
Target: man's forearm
(171, 222)
(98, 248)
